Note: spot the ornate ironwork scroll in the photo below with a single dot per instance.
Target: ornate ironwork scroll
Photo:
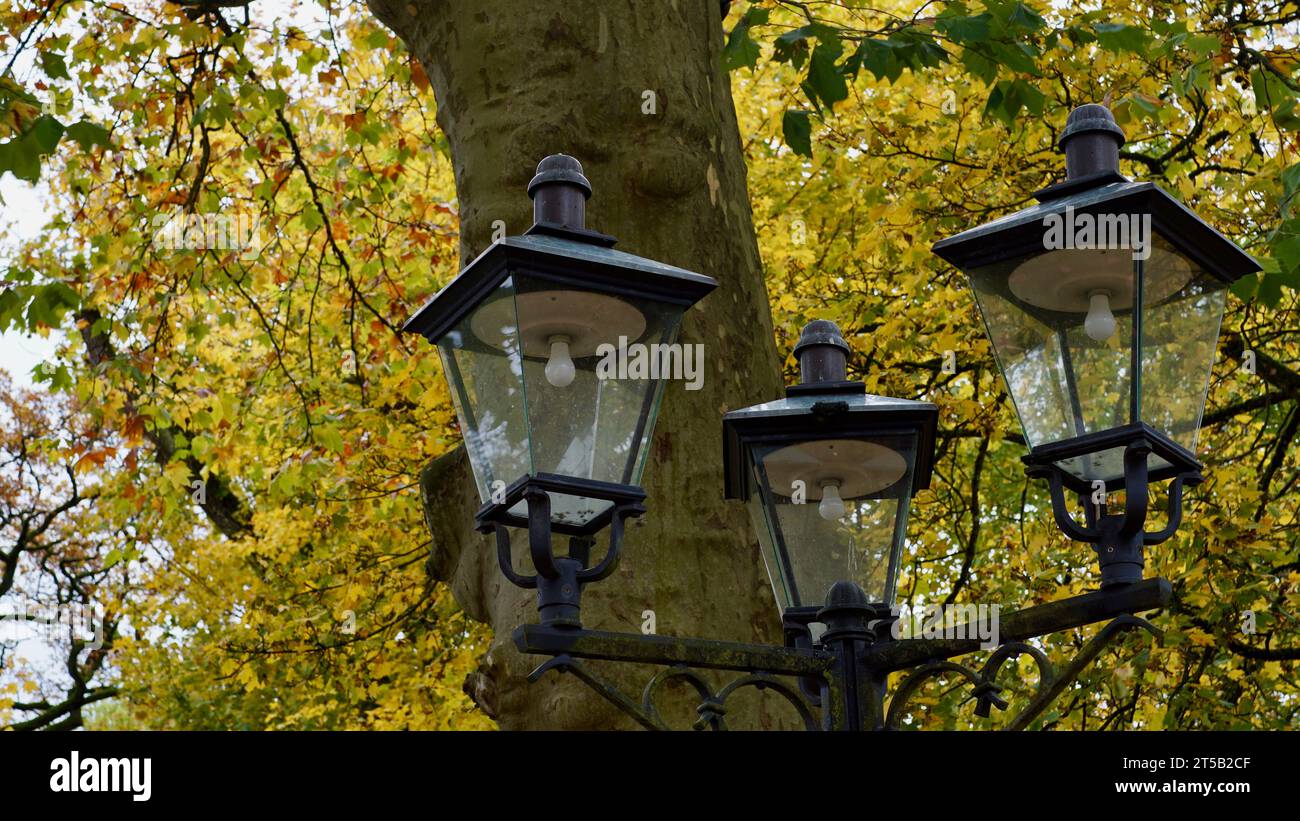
(984, 687)
(712, 707)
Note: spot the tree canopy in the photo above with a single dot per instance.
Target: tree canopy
(246, 208)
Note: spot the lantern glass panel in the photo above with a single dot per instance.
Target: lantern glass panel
(487, 390)
(827, 510)
(1180, 339)
(1062, 327)
(554, 378)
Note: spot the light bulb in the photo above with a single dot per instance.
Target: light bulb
(559, 368)
(831, 506)
(1100, 322)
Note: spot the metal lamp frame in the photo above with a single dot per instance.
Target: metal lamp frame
(840, 681)
(837, 683)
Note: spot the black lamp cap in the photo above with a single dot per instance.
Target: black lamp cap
(821, 332)
(848, 613)
(822, 354)
(1091, 118)
(559, 169)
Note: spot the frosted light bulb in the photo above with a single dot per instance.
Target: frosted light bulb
(1100, 322)
(559, 368)
(831, 506)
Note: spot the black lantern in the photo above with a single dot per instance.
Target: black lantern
(1103, 304)
(557, 347)
(828, 473)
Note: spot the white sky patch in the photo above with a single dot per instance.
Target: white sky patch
(25, 212)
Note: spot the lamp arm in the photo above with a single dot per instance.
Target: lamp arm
(1136, 492)
(1175, 507)
(762, 666)
(504, 560)
(1060, 512)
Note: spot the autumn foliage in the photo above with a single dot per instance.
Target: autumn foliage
(235, 389)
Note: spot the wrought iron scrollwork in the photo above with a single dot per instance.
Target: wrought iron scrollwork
(712, 708)
(850, 673)
(984, 687)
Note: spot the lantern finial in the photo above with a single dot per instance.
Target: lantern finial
(560, 192)
(822, 353)
(1091, 142)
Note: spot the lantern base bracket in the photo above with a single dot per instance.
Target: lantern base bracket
(1170, 458)
(505, 508)
(1118, 538)
(559, 579)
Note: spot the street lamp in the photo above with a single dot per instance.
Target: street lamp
(1103, 304)
(531, 335)
(535, 336)
(828, 473)
(557, 442)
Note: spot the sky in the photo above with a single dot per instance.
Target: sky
(23, 212)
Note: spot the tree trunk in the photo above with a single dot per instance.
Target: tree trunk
(637, 93)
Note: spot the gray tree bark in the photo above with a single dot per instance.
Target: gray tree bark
(637, 93)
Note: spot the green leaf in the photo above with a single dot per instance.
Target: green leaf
(1270, 92)
(1289, 279)
(741, 51)
(1030, 97)
(47, 132)
(11, 309)
(979, 65)
(1009, 96)
(56, 376)
(88, 134)
(1287, 253)
(1119, 37)
(21, 155)
(1142, 104)
(1290, 183)
(797, 129)
(825, 80)
(1270, 290)
(1285, 116)
(1018, 57)
(50, 303)
(918, 49)
(1026, 19)
(1203, 44)
(54, 66)
(880, 58)
(965, 29)
(328, 435)
(792, 47)
(196, 330)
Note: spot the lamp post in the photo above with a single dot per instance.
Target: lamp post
(557, 444)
